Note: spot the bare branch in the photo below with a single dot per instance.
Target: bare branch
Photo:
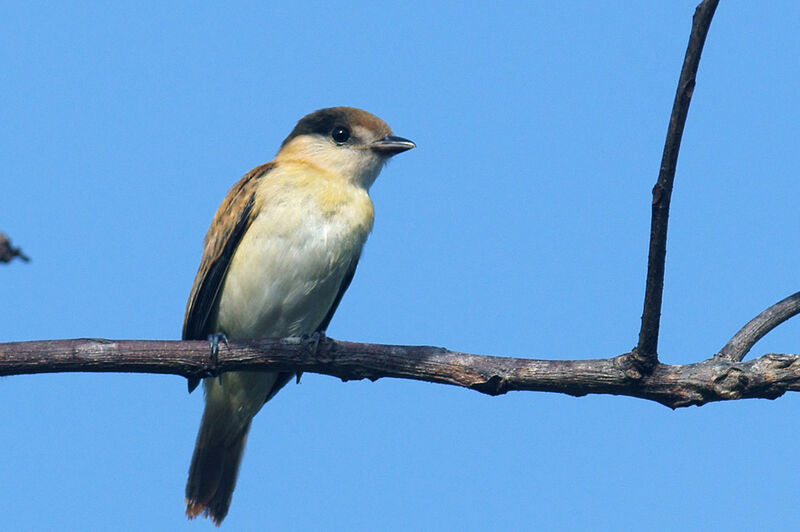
(7, 252)
(646, 352)
(715, 379)
(755, 329)
(634, 374)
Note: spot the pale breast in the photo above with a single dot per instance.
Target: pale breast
(289, 265)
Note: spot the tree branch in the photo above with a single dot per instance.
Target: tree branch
(646, 352)
(7, 252)
(635, 374)
(716, 379)
(755, 329)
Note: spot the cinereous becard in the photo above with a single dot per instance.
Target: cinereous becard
(280, 253)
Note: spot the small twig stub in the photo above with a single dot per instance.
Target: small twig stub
(8, 252)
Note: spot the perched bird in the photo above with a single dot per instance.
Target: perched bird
(280, 253)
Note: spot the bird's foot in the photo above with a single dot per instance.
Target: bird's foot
(311, 343)
(213, 363)
(213, 340)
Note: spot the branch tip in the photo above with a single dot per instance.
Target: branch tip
(8, 252)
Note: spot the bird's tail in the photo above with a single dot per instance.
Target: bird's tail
(215, 466)
(231, 403)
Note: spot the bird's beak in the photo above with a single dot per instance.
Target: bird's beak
(390, 145)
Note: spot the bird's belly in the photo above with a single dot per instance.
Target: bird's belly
(285, 274)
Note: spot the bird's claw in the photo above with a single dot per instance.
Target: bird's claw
(311, 341)
(214, 340)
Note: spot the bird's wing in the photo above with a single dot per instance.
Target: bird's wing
(348, 277)
(230, 222)
(284, 377)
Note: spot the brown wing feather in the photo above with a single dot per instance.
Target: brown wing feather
(348, 278)
(230, 222)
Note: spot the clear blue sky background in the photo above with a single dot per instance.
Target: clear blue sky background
(517, 227)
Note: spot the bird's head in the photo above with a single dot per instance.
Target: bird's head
(345, 141)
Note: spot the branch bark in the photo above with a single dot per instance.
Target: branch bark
(716, 379)
(646, 352)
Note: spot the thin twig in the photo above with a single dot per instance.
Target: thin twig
(646, 352)
(8, 252)
(755, 329)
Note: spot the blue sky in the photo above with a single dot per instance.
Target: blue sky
(517, 227)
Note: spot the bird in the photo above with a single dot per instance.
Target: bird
(280, 252)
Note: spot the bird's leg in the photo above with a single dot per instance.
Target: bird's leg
(213, 363)
(213, 341)
(311, 343)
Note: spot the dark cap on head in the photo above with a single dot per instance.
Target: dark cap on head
(323, 121)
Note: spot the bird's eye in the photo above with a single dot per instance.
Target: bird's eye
(340, 134)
